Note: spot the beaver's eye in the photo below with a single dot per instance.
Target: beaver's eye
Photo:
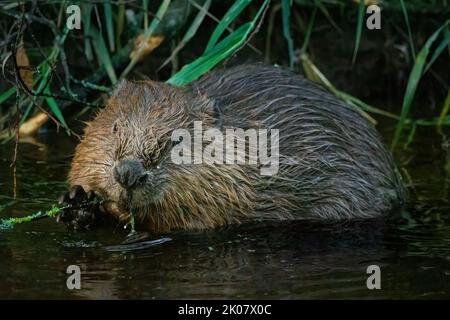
(115, 128)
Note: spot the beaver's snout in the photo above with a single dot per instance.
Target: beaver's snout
(129, 173)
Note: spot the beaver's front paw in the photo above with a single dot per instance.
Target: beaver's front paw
(82, 212)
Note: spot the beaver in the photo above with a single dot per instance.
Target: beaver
(332, 164)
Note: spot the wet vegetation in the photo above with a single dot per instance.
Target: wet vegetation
(54, 74)
(50, 71)
(53, 78)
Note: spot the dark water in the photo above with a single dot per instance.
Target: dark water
(288, 260)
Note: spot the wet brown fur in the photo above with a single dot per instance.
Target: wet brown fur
(332, 162)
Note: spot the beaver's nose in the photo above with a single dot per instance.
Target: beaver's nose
(129, 173)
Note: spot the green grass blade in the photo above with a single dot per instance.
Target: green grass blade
(364, 106)
(359, 27)
(408, 26)
(145, 9)
(227, 19)
(411, 135)
(433, 122)
(269, 32)
(208, 60)
(86, 19)
(26, 113)
(43, 83)
(192, 30)
(196, 23)
(445, 109)
(7, 94)
(50, 101)
(413, 81)
(286, 15)
(107, 7)
(314, 74)
(147, 34)
(324, 10)
(309, 31)
(220, 51)
(120, 22)
(444, 43)
(157, 19)
(55, 108)
(103, 54)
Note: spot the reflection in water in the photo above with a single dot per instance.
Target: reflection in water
(138, 245)
(258, 260)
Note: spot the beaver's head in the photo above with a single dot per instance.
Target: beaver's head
(125, 155)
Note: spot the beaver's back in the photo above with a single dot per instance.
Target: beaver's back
(332, 161)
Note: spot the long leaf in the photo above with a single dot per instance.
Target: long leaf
(145, 8)
(359, 27)
(43, 81)
(120, 22)
(308, 32)
(408, 26)
(444, 43)
(207, 61)
(86, 18)
(109, 24)
(8, 93)
(197, 22)
(445, 109)
(220, 51)
(227, 19)
(55, 108)
(192, 30)
(286, 15)
(413, 81)
(103, 54)
(147, 34)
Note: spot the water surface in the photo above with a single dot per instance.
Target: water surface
(285, 260)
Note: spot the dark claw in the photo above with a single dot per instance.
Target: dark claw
(84, 221)
(75, 195)
(78, 218)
